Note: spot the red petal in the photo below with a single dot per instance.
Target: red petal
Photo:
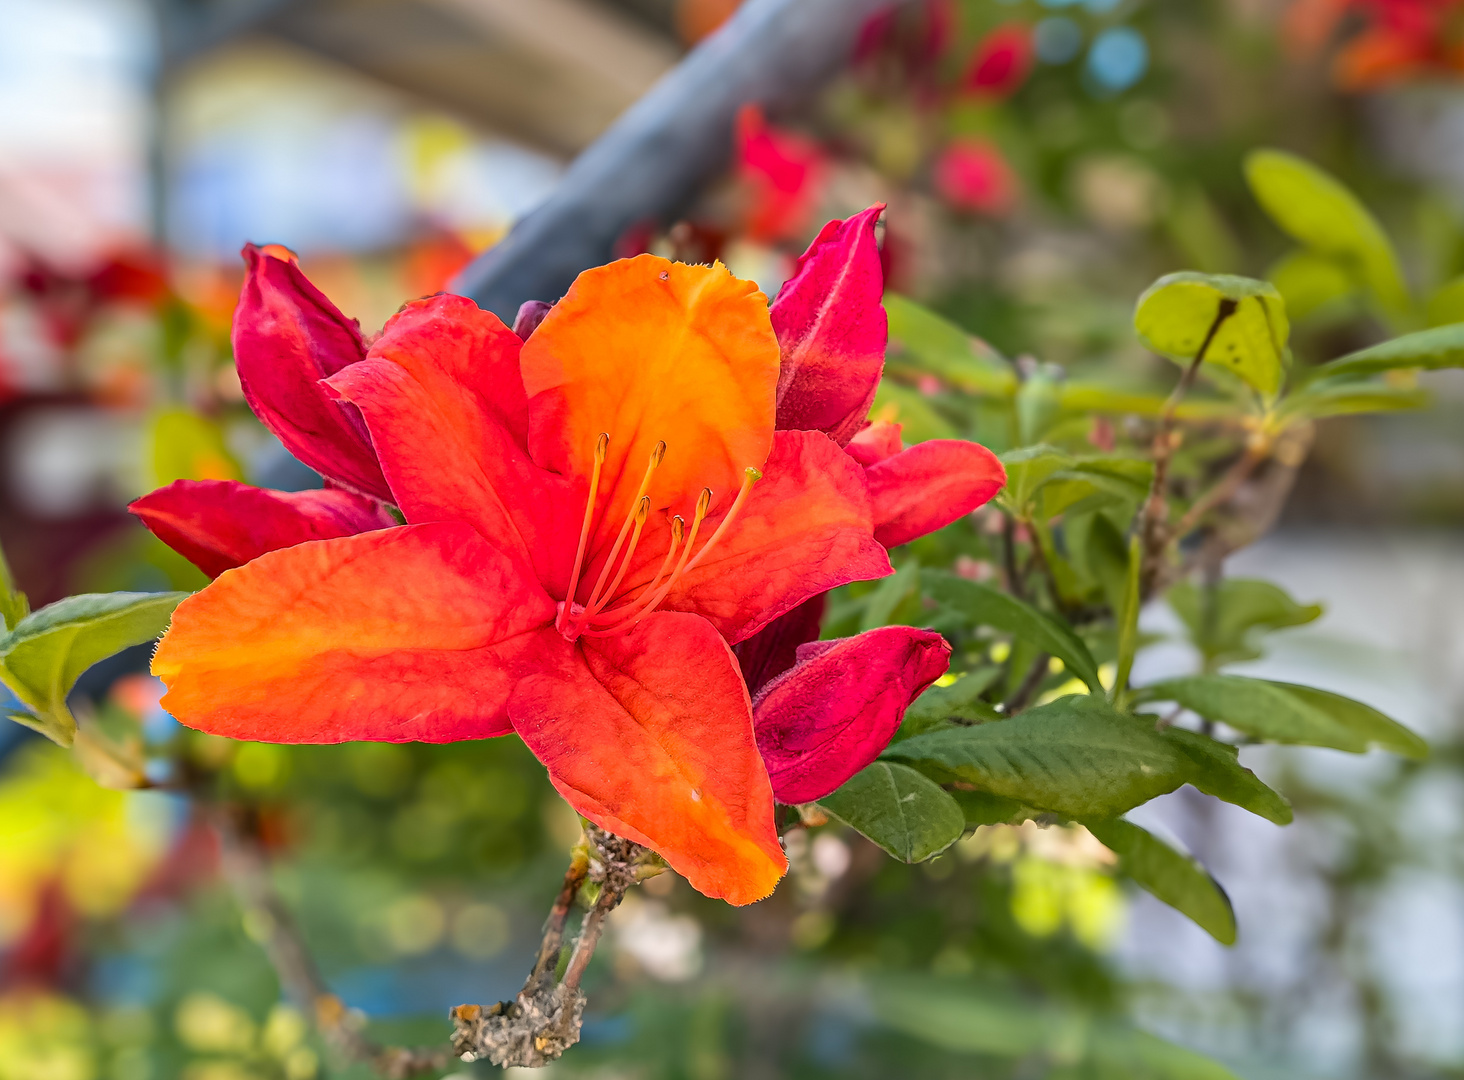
(876, 442)
(409, 633)
(832, 330)
(774, 649)
(838, 707)
(442, 395)
(805, 529)
(929, 486)
(220, 524)
(649, 735)
(287, 337)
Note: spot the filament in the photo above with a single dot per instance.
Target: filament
(634, 519)
(601, 445)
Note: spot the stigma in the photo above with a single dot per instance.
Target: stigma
(597, 617)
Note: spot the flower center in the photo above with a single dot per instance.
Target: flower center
(596, 618)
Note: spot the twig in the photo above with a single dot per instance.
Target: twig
(1223, 491)
(544, 1019)
(246, 867)
(1029, 685)
(1154, 517)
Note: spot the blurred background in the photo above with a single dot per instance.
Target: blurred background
(1042, 162)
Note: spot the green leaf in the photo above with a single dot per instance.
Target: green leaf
(1379, 730)
(984, 808)
(1431, 350)
(986, 606)
(1094, 482)
(881, 603)
(1241, 609)
(1218, 772)
(912, 410)
(958, 703)
(1128, 622)
(1039, 400)
(1086, 398)
(13, 604)
(963, 1018)
(1256, 707)
(944, 349)
(1027, 470)
(902, 811)
(1243, 321)
(1177, 879)
(46, 652)
(1320, 402)
(1287, 713)
(1080, 757)
(1446, 304)
(1316, 210)
(1312, 283)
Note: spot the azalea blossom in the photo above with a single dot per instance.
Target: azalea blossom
(514, 600)
(592, 516)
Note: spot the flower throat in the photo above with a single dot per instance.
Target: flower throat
(597, 618)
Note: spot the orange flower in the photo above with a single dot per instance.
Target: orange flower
(593, 516)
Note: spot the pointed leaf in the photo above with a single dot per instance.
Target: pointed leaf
(1243, 321)
(905, 813)
(1431, 350)
(1241, 609)
(41, 659)
(1287, 713)
(1311, 283)
(1177, 879)
(1319, 212)
(987, 606)
(1080, 757)
(1320, 402)
(1217, 771)
(932, 344)
(1256, 707)
(13, 604)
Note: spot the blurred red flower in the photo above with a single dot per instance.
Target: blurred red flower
(781, 172)
(1001, 61)
(972, 174)
(1399, 40)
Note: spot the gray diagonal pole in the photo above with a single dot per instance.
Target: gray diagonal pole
(651, 161)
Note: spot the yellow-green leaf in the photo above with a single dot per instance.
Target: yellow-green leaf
(46, 652)
(1240, 323)
(1317, 210)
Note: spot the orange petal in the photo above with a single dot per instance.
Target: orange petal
(650, 735)
(403, 634)
(806, 528)
(649, 350)
(441, 395)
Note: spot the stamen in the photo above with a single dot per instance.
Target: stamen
(678, 534)
(643, 608)
(750, 476)
(658, 454)
(640, 519)
(601, 445)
